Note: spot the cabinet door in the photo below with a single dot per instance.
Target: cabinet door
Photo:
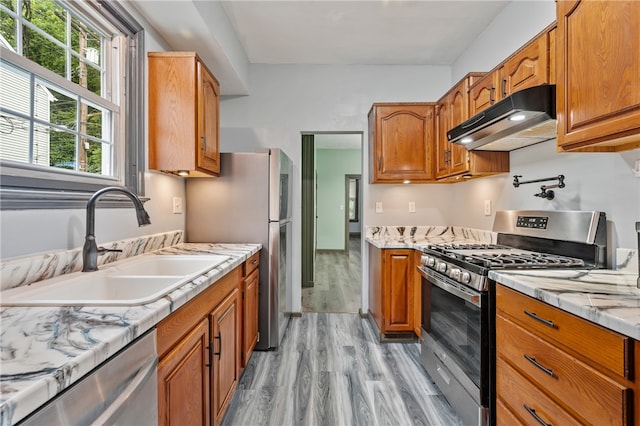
(484, 93)
(183, 380)
(442, 144)
(209, 117)
(598, 89)
(402, 143)
(225, 321)
(398, 290)
(526, 68)
(250, 314)
(458, 112)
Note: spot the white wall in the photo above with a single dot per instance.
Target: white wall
(518, 22)
(286, 100)
(25, 232)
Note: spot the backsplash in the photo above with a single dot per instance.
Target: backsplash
(421, 233)
(627, 260)
(25, 270)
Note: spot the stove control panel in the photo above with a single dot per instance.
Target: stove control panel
(535, 222)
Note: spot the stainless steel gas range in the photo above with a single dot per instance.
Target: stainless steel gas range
(458, 298)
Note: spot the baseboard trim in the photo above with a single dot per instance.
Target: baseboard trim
(363, 314)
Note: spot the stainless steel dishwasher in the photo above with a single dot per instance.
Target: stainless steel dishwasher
(121, 391)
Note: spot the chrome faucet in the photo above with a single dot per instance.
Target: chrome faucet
(90, 250)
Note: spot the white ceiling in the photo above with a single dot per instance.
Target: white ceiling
(408, 32)
(371, 32)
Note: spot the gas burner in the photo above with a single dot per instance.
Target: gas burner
(524, 260)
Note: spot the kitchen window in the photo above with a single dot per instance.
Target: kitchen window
(71, 112)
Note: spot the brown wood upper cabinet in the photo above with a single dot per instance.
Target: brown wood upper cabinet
(528, 67)
(598, 64)
(484, 93)
(184, 104)
(401, 141)
(453, 161)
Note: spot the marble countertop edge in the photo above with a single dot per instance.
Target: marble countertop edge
(581, 299)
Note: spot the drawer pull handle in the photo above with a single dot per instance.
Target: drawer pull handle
(536, 416)
(219, 353)
(548, 323)
(533, 361)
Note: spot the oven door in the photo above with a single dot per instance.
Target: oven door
(455, 343)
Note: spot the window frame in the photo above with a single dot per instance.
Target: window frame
(24, 187)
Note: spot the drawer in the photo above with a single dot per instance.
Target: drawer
(504, 416)
(250, 264)
(523, 398)
(589, 393)
(610, 350)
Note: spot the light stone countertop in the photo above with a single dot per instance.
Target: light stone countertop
(416, 237)
(606, 297)
(47, 349)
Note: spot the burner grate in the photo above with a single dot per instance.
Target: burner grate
(522, 260)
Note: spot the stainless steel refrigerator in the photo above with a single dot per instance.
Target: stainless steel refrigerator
(250, 202)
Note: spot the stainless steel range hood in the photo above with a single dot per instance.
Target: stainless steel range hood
(524, 118)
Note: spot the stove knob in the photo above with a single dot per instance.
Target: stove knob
(455, 274)
(442, 267)
(427, 260)
(465, 278)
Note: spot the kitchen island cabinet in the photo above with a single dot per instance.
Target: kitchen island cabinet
(598, 89)
(184, 115)
(401, 142)
(554, 367)
(394, 286)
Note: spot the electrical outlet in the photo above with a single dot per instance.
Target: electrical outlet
(378, 206)
(177, 205)
(487, 207)
(412, 206)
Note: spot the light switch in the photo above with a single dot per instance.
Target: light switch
(412, 206)
(378, 206)
(177, 205)
(487, 207)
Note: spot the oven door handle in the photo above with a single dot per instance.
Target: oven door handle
(466, 295)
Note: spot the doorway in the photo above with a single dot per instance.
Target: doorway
(331, 263)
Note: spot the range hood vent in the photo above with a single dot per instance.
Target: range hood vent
(524, 118)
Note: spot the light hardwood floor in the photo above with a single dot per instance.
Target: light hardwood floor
(337, 281)
(331, 371)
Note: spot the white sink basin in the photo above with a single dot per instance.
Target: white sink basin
(165, 265)
(136, 281)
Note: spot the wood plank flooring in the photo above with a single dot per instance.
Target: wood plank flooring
(337, 281)
(330, 371)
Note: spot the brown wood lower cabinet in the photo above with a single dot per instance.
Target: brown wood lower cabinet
(393, 286)
(183, 380)
(250, 315)
(225, 343)
(553, 367)
(200, 347)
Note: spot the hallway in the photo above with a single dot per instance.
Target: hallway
(337, 281)
(330, 371)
